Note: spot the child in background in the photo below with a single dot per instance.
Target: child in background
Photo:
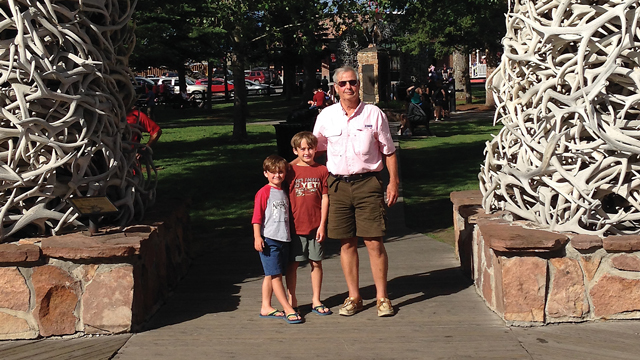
(271, 238)
(309, 199)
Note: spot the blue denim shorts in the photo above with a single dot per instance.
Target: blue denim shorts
(274, 257)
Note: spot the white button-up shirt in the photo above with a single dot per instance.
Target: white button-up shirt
(354, 144)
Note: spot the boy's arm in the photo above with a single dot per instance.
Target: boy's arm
(324, 212)
(258, 242)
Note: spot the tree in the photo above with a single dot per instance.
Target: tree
(454, 26)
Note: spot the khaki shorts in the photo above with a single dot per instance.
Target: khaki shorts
(305, 247)
(356, 208)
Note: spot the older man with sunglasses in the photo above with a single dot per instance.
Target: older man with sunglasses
(358, 143)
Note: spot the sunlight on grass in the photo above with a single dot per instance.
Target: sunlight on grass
(219, 176)
(199, 161)
(434, 167)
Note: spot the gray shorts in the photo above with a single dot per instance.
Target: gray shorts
(305, 247)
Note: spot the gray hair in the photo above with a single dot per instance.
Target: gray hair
(344, 69)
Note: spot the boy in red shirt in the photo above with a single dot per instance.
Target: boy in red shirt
(309, 200)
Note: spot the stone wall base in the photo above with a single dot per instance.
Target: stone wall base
(532, 276)
(103, 284)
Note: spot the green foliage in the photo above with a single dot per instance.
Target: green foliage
(448, 25)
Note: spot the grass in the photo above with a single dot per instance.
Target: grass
(258, 109)
(434, 167)
(197, 160)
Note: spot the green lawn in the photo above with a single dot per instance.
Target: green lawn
(434, 167)
(202, 163)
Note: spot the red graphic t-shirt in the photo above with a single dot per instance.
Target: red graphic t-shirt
(307, 184)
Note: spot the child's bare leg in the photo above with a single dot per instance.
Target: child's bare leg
(316, 282)
(278, 290)
(267, 291)
(292, 280)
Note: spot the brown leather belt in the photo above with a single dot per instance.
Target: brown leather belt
(355, 177)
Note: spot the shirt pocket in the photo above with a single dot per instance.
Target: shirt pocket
(335, 142)
(364, 144)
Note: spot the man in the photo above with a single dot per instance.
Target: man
(357, 140)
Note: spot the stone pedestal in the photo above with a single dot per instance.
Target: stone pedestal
(102, 284)
(373, 71)
(532, 276)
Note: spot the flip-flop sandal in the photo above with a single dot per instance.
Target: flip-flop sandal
(323, 308)
(295, 321)
(275, 314)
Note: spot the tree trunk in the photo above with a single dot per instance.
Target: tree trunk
(182, 73)
(492, 64)
(240, 97)
(209, 81)
(310, 67)
(489, 100)
(290, 86)
(461, 76)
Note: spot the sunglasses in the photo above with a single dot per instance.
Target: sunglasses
(344, 83)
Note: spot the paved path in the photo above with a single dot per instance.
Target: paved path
(214, 315)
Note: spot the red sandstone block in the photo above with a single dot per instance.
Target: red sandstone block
(468, 197)
(567, 297)
(78, 246)
(586, 242)
(57, 296)
(504, 237)
(14, 253)
(613, 295)
(108, 300)
(590, 265)
(524, 282)
(14, 292)
(621, 243)
(626, 262)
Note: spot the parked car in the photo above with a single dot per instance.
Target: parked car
(260, 76)
(255, 88)
(141, 83)
(217, 85)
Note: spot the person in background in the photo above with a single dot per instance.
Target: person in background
(142, 123)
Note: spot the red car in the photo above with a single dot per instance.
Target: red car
(259, 76)
(217, 85)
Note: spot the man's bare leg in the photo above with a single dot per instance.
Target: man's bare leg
(379, 265)
(350, 264)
